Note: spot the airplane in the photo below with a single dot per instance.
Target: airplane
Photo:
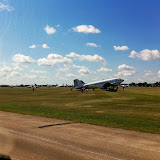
(108, 84)
(35, 86)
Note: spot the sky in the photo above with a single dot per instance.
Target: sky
(54, 42)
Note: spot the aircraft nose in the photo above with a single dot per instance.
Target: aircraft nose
(121, 80)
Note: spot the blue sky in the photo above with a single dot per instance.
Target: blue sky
(49, 42)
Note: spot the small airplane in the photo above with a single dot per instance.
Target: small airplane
(108, 84)
(35, 86)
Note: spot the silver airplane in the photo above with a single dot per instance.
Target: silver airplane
(108, 84)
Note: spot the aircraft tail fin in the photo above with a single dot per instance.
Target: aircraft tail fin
(78, 83)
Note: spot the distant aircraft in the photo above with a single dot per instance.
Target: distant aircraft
(35, 86)
(108, 84)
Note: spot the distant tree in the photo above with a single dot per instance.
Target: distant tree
(145, 84)
(132, 84)
(140, 84)
(157, 84)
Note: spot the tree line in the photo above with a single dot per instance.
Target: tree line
(145, 84)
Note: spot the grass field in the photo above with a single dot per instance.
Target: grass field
(135, 108)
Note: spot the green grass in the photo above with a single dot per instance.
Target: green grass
(134, 109)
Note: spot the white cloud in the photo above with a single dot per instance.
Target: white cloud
(44, 62)
(54, 56)
(49, 30)
(63, 69)
(134, 54)
(146, 54)
(148, 73)
(3, 75)
(45, 46)
(32, 46)
(86, 29)
(70, 75)
(159, 73)
(82, 69)
(122, 48)
(72, 54)
(125, 67)
(28, 76)
(94, 58)
(125, 73)
(20, 58)
(139, 80)
(17, 68)
(102, 69)
(7, 7)
(44, 78)
(8, 72)
(12, 74)
(42, 72)
(126, 70)
(92, 44)
(5, 69)
(53, 60)
(61, 77)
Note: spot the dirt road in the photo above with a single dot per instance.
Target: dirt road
(25, 137)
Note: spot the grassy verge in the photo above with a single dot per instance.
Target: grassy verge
(135, 108)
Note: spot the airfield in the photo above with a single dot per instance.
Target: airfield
(135, 108)
(57, 123)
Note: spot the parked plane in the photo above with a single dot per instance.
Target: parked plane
(108, 84)
(35, 86)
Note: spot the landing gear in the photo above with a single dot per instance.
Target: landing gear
(112, 89)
